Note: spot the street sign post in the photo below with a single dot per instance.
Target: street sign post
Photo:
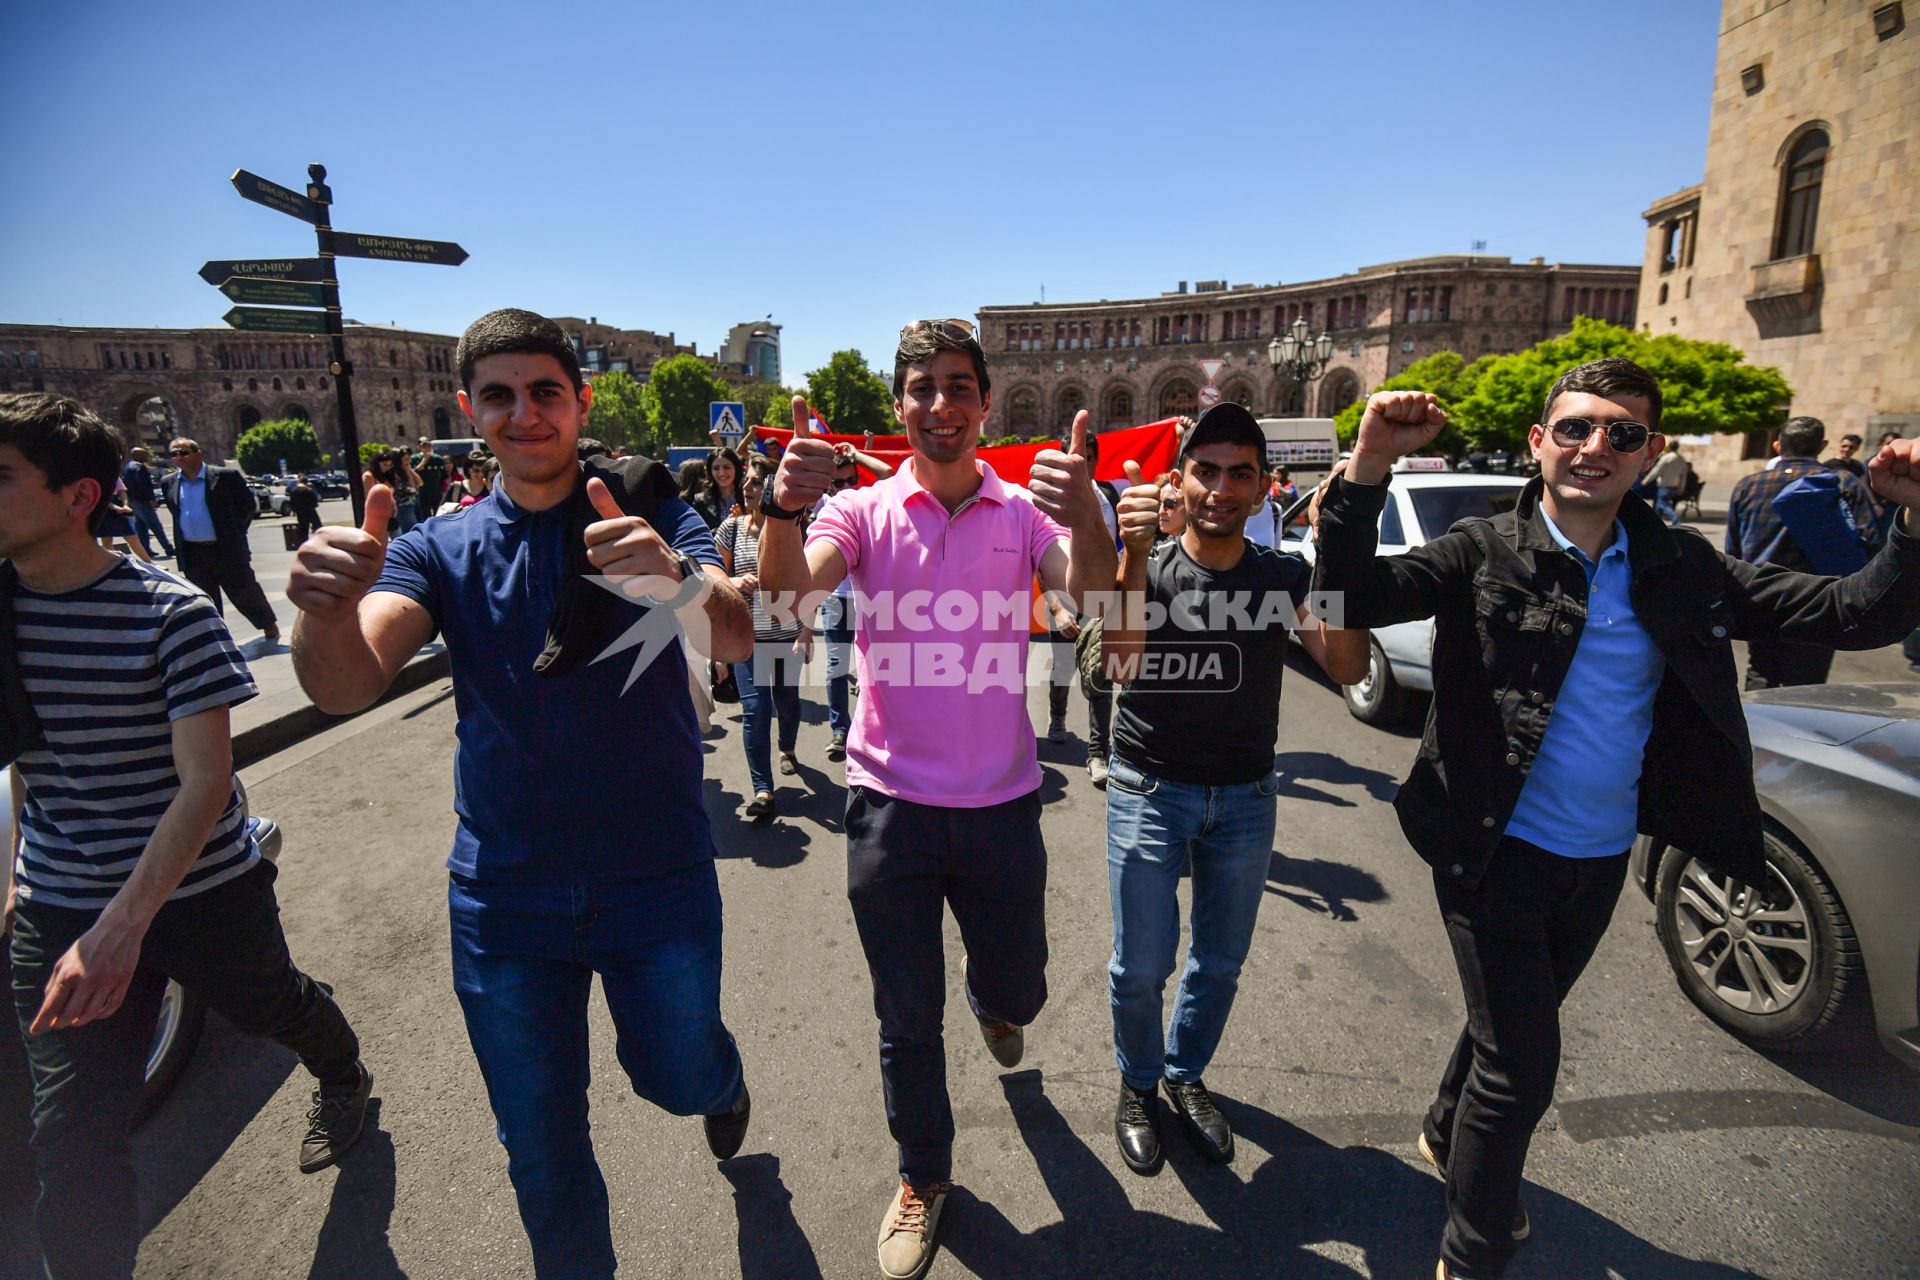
(311, 282)
(221, 270)
(274, 196)
(1212, 369)
(439, 253)
(727, 418)
(274, 293)
(1209, 396)
(276, 320)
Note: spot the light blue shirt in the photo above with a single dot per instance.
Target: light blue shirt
(1582, 798)
(196, 522)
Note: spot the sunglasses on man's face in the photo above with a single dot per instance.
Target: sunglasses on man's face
(181, 453)
(957, 329)
(1624, 437)
(845, 482)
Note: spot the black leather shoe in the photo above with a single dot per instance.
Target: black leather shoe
(727, 1130)
(1136, 1123)
(1208, 1128)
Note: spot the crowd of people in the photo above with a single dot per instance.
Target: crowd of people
(1584, 691)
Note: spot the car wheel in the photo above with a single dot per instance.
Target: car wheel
(183, 1016)
(1378, 698)
(1777, 965)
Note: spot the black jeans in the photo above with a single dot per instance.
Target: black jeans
(227, 946)
(903, 861)
(228, 565)
(1099, 709)
(1776, 664)
(1521, 938)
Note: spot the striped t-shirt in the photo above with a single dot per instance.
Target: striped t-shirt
(743, 544)
(108, 668)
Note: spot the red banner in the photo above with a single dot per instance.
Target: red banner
(1153, 446)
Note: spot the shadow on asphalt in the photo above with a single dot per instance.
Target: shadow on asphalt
(354, 1243)
(1323, 886)
(1303, 1195)
(1866, 1076)
(772, 1245)
(1298, 767)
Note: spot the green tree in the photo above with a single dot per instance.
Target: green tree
(850, 396)
(619, 412)
(263, 446)
(768, 403)
(677, 395)
(1705, 386)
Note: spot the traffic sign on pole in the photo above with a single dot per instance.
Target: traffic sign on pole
(1212, 368)
(276, 320)
(441, 253)
(1209, 396)
(727, 418)
(275, 293)
(221, 270)
(274, 196)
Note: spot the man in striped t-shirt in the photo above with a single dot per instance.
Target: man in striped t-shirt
(133, 862)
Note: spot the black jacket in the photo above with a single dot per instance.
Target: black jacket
(1508, 606)
(229, 501)
(583, 612)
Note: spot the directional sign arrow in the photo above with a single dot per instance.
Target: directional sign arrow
(219, 271)
(273, 320)
(274, 196)
(281, 293)
(352, 244)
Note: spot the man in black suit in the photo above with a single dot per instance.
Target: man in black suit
(212, 511)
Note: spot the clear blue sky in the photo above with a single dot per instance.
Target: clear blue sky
(845, 167)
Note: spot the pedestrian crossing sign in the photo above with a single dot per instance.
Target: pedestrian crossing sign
(727, 418)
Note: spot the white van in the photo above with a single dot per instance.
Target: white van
(1301, 445)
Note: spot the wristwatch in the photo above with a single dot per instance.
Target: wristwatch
(689, 567)
(772, 511)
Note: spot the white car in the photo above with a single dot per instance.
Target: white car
(1420, 505)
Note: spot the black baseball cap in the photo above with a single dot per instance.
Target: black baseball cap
(1226, 423)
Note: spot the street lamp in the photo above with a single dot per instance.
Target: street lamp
(1298, 357)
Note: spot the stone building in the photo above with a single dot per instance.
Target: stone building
(212, 384)
(1138, 360)
(602, 348)
(1797, 246)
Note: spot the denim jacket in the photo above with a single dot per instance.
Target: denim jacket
(1508, 606)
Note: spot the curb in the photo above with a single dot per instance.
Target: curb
(252, 745)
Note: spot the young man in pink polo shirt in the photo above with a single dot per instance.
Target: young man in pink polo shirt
(942, 783)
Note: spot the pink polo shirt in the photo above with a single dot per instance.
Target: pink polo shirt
(941, 648)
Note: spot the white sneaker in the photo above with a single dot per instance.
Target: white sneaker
(906, 1233)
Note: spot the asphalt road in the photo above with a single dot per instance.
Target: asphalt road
(1672, 1152)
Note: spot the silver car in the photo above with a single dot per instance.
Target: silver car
(1828, 950)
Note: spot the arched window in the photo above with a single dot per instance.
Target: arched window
(1178, 399)
(1800, 196)
(1023, 415)
(1072, 401)
(1119, 408)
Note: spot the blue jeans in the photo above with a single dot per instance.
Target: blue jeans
(836, 627)
(147, 521)
(769, 687)
(1153, 827)
(524, 956)
(1663, 500)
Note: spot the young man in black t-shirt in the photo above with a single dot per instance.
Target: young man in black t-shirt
(1199, 650)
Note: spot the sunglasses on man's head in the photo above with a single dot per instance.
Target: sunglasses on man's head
(957, 329)
(1624, 437)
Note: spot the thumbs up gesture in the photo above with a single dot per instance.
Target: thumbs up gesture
(806, 465)
(1062, 483)
(1138, 510)
(624, 546)
(337, 565)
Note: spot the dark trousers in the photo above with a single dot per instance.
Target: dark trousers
(1521, 938)
(1775, 664)
(147, 521)
(905, 860)
(1099, 710)
(305, 524)
(225, 945)
(228, 565)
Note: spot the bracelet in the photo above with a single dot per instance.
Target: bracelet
(774, 512)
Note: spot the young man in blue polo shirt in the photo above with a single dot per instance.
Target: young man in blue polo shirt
(1583, 691)
(553, 879)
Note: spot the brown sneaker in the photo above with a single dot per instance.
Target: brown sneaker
(906, 1233)
(1006, 1041)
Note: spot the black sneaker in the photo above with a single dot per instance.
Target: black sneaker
(728, 1129)
(1136, 1126)
(1205, 1125)
(837, 749)
(760, 808)
(335, 1121)
(788, 765)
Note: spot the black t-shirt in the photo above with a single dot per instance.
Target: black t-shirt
(1204, 707)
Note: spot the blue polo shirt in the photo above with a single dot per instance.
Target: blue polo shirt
(564, 779)
(1582, 798)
